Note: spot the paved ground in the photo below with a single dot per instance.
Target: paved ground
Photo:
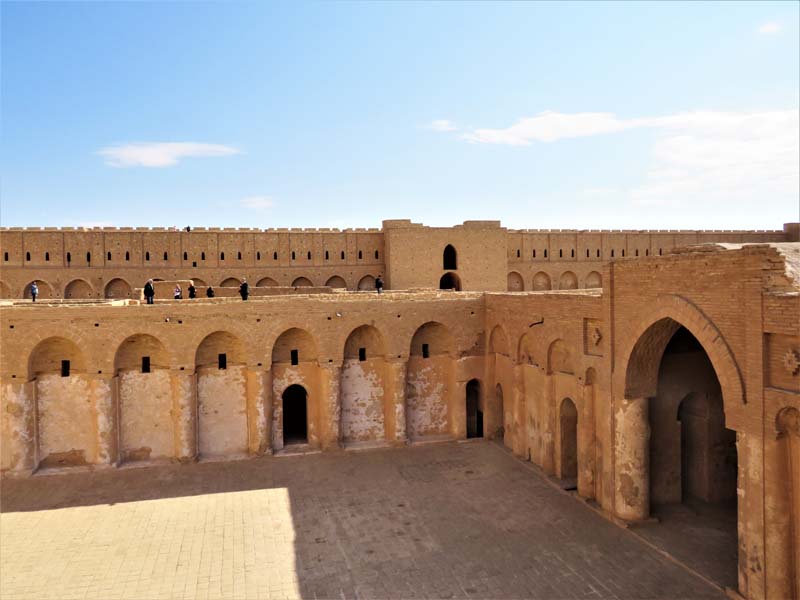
(440, 521)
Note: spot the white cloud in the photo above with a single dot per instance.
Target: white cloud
(257, 202)
(769, 28)
(697, 157)
(442, 125)
(159, 154)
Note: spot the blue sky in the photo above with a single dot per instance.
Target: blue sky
(573, 115)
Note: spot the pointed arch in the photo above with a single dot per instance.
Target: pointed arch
(515, 282)
(336, 282)
(449, 258)
(78, 288)
(266, 282)
(117, 289)
(568, 281)
(541, 281)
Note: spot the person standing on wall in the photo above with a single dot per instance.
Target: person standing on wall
(209, 292)
(34, 291)
(177, 293)
(244, 289)
(379, 284)
(192, 290)
(149, 291)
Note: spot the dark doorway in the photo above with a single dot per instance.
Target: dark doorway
(474, 412)
(450, 281)
(295, 417)
(693, 463)
(568, 422)
(449, 261)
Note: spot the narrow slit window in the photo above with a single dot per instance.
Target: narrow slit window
(258, 255)
(128, 255)
(65, 368)
(47, 256)
(88, 257)
(623, 253)
(238, 256)
(146, 256)
(274, 256)
(69, 257)
(327, 256)
(342, 254)
(545, 252)
(309, 256)
(108, 256)
(27, 256)
(518, 253)
(145, 364)
(572, 253)
(426, 351)
(534, 254)
(560, 253)
(647, 251)
(202, 256)
(360, 255)
(222, 361)
(376, 255)
(293, 255)
(637, 252)
(362, 354)
(5, 256)
(587, 253)
(659, 251)
(166, 256)
(598, 253)
(295, 357)
(222, 256)
(612, 253)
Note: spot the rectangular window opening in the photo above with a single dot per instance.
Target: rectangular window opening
(362, 354)
(222, 361)
(145, 364)
(65, 368)
(295, 357)
(426, 351)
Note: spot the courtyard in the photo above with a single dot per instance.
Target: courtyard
(452, 520)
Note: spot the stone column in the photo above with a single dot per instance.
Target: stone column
(259, 403)
(632, 428)
(330, 413)
(18, 399)
(184, 412)
(103, 390)
(586, 444)
(396, 371)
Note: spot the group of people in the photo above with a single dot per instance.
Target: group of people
(177, 293)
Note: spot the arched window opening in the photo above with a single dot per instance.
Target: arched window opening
(238, 256)
(518, 253)
(659, 251)
(202, 256)
(222, 256)
(587, 253)
(342, 254)
(572, 253)
(5, 256)
(166, 256)
(450, 281)
(295, 418)
(88, 257)
(376, 255)
(128, 255)
(108, 255)
(560, 253)
(474, 410)
(309, 255)
(623, 253)
(545, 252)
(360, 255)
(274, 256)
(293, 255)
(568, 426)
(598, 253)
(534, 253)
(637, 252)
(47, 256)
(69, 257)
(258, 255)
(185, 256)
(612, 253)
(27, 256)
(146, 256)
(647, 251)
(326, 255)
(449, 258)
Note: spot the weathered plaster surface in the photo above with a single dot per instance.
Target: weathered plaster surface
(146, 425)
(426, 396)
(362, 393)
(66, 420)
(222, 412)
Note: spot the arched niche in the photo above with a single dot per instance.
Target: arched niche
(117, 289)
(594, 280)
(541, 282)
(336, 282)
(568, 281)
(293, 347)
(515, 282)
(230, 282)
(559, 358)
(362, 389)
(266, 282)
(525, 351)
(498, 342)
(45, 290)
(366, 283)
(78, 288)
(302, 282)
(450, 281)
(449, 258)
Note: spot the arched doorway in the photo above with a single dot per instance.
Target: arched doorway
(449, 258)
(295, 415)
(568, 440)
(450, 281)
(693, 459)
(474, 409)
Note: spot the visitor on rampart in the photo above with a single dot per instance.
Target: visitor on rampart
(149, 291)
(244, 289)
(34, 291)
(192, 290)
(177, 293)
(379, 284)
(209, 292)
